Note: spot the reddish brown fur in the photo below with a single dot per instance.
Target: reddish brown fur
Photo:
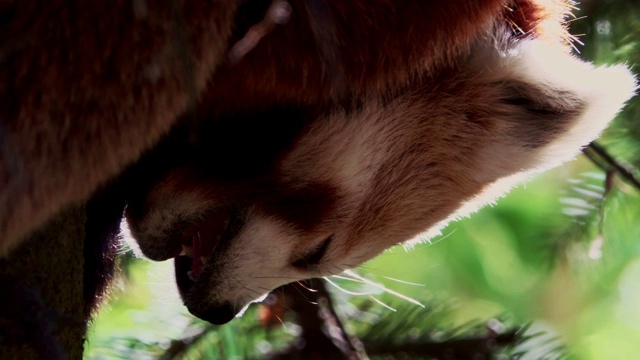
(86, 88)
(383, 44)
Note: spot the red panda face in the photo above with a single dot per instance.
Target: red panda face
(283, 195)
(353, 181)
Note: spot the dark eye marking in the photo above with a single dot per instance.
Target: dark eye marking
(313, 257)
(305, 207)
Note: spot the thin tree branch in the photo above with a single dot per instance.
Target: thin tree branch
(451, 349)
(597, 154)
(355, 347)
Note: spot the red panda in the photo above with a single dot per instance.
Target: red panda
(304, 142)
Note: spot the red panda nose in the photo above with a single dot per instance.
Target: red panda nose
(183, 265)
(216, 315)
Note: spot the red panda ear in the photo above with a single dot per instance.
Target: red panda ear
(547, 105)
(542, 107)
(534, 116)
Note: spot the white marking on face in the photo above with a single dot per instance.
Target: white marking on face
(256, 261)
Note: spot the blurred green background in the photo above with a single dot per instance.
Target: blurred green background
(559, 256)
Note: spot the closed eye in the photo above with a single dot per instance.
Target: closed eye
(313, 257)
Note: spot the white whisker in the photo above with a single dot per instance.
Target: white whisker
(382, 287)
(383, 304)
(348, 278)
(403, 281)
(345, 290)
(306, 287)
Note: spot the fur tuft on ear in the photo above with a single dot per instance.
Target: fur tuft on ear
(548, 106)
(573, 102)
(545, 106)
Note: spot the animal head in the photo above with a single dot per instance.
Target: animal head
(287, 195)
